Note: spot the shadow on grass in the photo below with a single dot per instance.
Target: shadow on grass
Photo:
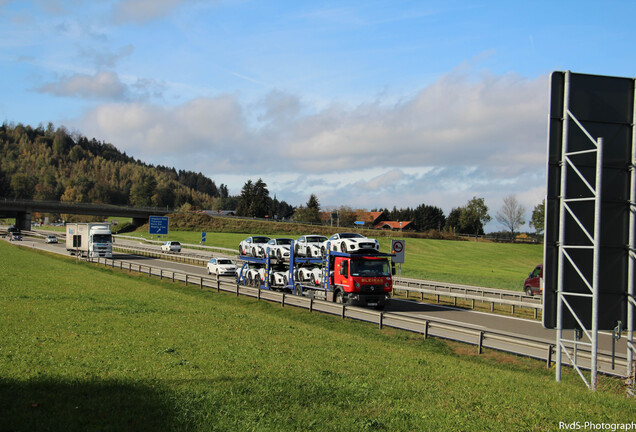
(50, 404)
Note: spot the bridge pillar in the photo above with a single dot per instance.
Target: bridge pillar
(137, 222)
(23, 221)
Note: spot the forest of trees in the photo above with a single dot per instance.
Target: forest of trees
(53, 164)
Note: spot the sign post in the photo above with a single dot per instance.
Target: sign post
(397, 248)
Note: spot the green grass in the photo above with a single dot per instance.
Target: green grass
(493, 265)
(88, 348)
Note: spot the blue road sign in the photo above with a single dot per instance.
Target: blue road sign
(203, 234)
(359, 222)
(158, 225)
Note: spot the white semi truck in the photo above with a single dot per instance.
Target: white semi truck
(89, 239)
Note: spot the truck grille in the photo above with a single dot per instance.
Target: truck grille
(372, 289)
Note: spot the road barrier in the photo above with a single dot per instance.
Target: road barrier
(468, 293)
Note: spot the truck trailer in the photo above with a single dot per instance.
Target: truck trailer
(89, 239)
(364, 279)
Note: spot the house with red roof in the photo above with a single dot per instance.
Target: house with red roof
(394, 225)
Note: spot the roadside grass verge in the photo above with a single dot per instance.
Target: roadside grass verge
(88, 348)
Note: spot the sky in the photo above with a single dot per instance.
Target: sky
(367, 104)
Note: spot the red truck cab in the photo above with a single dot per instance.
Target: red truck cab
(533, 284)
(363, 280)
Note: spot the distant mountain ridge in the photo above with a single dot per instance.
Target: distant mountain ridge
(53, 164)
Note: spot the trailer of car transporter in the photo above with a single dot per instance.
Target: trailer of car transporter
(364, 278)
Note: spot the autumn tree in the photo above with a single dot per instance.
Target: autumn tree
(511, 215)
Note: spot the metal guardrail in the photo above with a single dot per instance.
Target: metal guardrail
(409, 286)
(469, 293)
(478, 336)
(159, 242)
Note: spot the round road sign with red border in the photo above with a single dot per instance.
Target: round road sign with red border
(398, 246)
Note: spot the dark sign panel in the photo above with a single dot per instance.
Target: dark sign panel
(604, 107)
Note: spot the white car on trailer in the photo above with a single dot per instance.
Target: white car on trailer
(350, 243)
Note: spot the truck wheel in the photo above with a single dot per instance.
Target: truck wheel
(339, 297)
(528, 291)
(297, 290)
(257, 282)
(278, 255)
(343, 247)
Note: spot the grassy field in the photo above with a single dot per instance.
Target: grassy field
(87, 348)
(494, 265)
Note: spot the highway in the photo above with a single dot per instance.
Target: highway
(511, 327)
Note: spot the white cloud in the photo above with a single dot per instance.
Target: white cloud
(460, 137)
(143, 11)
(102, 85)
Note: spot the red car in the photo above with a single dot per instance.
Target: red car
(533, 285)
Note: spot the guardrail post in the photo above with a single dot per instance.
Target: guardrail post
(380, 321)
(237, 288)
(282, 302)
(186, 281)
(129, 267)
(258, 295)
(218, 283)
(473, 304)
(343, 312)
(172, 277)
(549, 360)
(454, 301)
(201, 283)
(161, 274)
(481, 342)
(311, 303)
(513, 309)
(425, 330)
(492, 307)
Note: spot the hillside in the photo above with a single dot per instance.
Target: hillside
(52, 164)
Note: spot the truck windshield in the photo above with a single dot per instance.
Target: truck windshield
(370, 268)
(102, 238)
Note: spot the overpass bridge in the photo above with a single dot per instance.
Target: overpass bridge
(21, 210)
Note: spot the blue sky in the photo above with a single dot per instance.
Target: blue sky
(367, 104)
